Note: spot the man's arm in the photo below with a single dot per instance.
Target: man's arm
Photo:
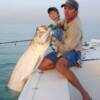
(60, 24)
(70, 41)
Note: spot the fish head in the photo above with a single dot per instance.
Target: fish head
(42, 34)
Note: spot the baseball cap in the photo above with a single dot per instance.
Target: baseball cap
(52, 9)
(71, 3)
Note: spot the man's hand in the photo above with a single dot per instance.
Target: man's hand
(53, 40)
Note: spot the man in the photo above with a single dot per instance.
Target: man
(69, 47)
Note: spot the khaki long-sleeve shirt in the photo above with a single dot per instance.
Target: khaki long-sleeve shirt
(72, 36)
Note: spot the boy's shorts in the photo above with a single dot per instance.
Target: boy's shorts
(71, 56)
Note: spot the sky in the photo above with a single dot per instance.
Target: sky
(29, 11)
(35, 12)
(25, 11)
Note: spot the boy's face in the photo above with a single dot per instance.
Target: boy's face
(54, 15)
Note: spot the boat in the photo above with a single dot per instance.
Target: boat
(51, 85)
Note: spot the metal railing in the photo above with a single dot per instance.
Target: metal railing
(16, 41)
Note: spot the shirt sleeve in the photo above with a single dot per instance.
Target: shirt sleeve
(60, 23)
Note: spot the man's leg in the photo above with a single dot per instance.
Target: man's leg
(46, 64)
(63, 67)
(49, 62)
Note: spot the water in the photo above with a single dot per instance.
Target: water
(10, 53)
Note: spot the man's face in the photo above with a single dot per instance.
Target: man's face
(54, 15)
(69, 13)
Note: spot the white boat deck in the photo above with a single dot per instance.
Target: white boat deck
(49, 85)
(89, 75)
(52, 86)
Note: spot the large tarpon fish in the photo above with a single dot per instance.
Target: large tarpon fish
(30, 59)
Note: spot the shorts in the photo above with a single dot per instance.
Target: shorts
(72, 57)
(52, 56)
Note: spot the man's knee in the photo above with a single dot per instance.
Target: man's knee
(62, 61)
(46, 64)
(62, 64)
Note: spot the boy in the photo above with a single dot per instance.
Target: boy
(56, 32)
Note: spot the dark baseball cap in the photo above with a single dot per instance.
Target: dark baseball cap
(71, 3)
(52, 9)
